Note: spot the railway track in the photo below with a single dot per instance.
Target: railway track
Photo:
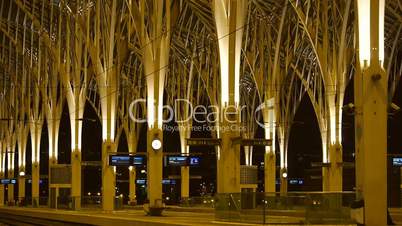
(19, 220)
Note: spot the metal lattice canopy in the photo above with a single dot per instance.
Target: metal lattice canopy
(55, 50)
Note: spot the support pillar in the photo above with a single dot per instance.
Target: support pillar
(132, 193)
(1, 189)
(185, 182)
(332, 173)
(269, 172)
(108, 178)
(154, 169)
(228, 161)
(1, 194)
(10, 188)
(76, 178)
(284, 182)
(35, 184)
(374, 105)
(375, 149)
(21, 186)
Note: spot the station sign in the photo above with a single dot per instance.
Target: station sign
(203, 142)
(256, 142)
(164, 181)
(296, 181)
(397, 161)
(251, 142)
(182, 160)
(8, 181)
(126, 160)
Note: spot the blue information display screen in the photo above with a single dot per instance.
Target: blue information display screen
(8, 181)
(117, 160)
(177, 160)
(180, 160)
(164, 181)
(126, 160)
(137, 160)
(296, 181)
(397, 161)
(194, 161)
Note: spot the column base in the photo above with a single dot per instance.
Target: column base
(35, 202)
(155, 210)
(76, 202)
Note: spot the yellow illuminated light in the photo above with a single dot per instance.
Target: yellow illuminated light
(150, 102)
(325, 153)
(222, 19)
(10, 161)
(333, 129)
(381, 31)
(364, 31)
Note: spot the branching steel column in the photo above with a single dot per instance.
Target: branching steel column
(374, 102)
(229, 18)
(155, 43)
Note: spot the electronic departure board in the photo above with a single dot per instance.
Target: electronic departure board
(181, 160)
(176, 161)
(164, 181)
(126, 160)
(194, 161)
(397, 161)
(138, 160)
(8, 181)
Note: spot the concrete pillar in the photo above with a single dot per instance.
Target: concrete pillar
(283, 182)
(21, 185)
(359, 153)
(332, 174)
(374, 105)
(185, 150)
(10, 190)
(35, 184)
(1, 194)
(185, 182)
(108, 177)
(229, 18)
(76, 178)
(132, 193)
(375, 149)
(228, 165)
(269, 172)
(52, 163)
(154, 168)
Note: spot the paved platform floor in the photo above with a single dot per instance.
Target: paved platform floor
(174, 216)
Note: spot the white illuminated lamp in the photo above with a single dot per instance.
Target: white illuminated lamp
(22, 173)
(284, 174)
(364, 32)
(156, 144)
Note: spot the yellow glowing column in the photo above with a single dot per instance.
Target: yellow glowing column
(372, 168)
(155, 84)
(269, 156)
(154, 167)
(10, 187)
(132, 193)
(108, 146)
(76, 102)
(132, 147)
(185, 170)
(22, 140)
(108, 177)
(35, 141)
(229, 18)
(2, 171)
